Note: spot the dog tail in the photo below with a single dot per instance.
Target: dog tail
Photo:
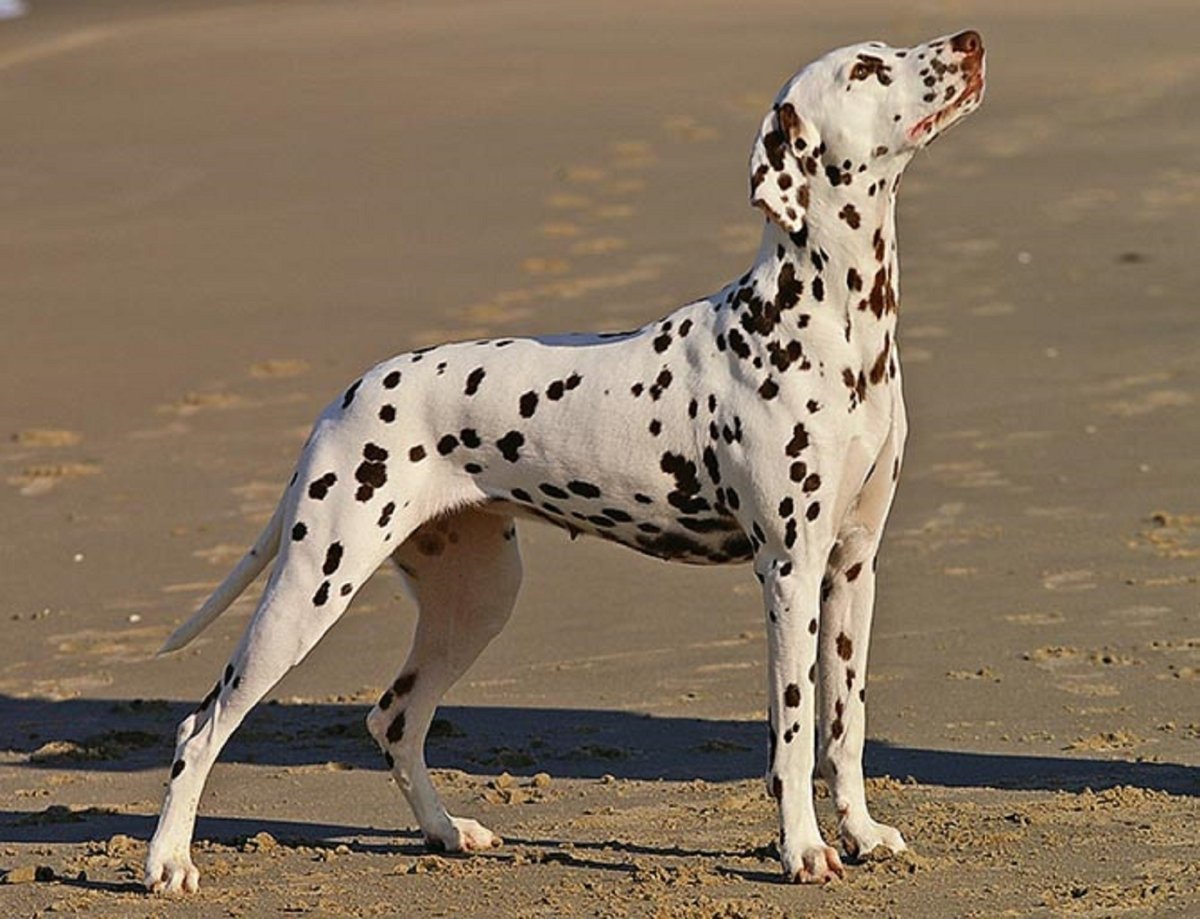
(250, 567)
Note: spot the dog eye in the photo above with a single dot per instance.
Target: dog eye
(860, 72)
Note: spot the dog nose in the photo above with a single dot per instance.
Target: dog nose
(967, 42)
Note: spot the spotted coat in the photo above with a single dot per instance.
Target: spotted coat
(763, 423)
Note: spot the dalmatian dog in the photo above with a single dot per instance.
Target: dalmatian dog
(761, 424)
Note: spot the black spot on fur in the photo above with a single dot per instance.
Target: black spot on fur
(319, 488)
(469, 438)
(416, 454)
(392, 380)
(552, 491)
(687, 484)
(299, 531)
(321, 597)
(385, 516)
(712, 466)
(791, 696)
(583, 489)
(396, 729)
(387, 414)
(404, 683)
(333, 558)
(371, 472)
(522, 495)
(555, 390)
(447, 444)
(474, 378)
(661, 382)
(510, 445)
(177, 768)
(528, 404)
(738, 345)
(349, 397)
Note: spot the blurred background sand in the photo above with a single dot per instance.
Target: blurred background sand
(216, 214)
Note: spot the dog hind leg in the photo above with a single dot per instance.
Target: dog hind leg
(321, 565)
(465, 572)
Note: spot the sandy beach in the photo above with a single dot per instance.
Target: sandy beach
(216, 215)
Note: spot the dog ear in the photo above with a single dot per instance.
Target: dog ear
(778, 180)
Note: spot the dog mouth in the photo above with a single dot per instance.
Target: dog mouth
(930, 124)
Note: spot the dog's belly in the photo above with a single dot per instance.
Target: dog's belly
(702, 539)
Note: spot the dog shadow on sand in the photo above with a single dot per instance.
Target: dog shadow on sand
(107, 735)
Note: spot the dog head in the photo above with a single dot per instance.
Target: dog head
(860, 112)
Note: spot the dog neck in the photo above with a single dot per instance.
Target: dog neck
(841, 265)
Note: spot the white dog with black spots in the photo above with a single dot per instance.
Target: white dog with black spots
(764, 424)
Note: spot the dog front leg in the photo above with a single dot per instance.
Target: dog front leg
(791, 592)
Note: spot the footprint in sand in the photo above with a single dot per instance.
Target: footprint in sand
(1087, 686)
(47, 437)
(614, 212)
(563, 201)
(538, 266)
(1106, 740)
(600, 245)
(560, 230)
(1175, 536)
(278, 368)
(989, 310)
(1036, 618)
(967, 474)
(194, 402)
(633, 154)
(687, 128)
(1149, 402)
(582, 175)
(41, 478)
(1066, 581)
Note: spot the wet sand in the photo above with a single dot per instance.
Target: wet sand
(216, 215)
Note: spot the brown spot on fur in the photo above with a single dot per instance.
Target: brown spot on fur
(845, 647)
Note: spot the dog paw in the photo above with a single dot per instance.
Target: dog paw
(463, 835)
(865, 835)
(817, 864)
(171, 874)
